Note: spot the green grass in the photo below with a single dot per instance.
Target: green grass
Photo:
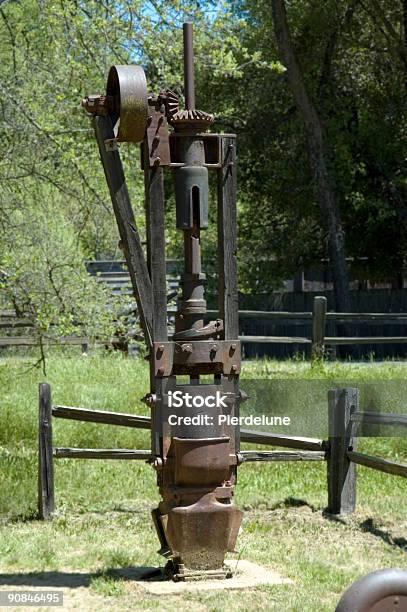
(102, 530)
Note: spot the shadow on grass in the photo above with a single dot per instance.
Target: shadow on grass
(370, 527)
(20, 517)
(74, 580)
(292, 502)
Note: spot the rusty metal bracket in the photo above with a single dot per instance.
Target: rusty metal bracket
(157, 135)
(211, 357)
(212, 147)
(209, 330)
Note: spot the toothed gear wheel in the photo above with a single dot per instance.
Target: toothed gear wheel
(172, 103)
(195, 119)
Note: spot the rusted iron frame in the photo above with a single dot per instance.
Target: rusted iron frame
(162, 376)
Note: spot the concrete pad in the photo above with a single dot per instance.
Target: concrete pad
(245, 575)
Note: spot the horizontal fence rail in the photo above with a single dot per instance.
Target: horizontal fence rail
(144, 422)
(101, 453)
(101, 416)
(366, 340)
(32, 341)
(339, 451)
(274, 340)
(358, 317)
(282, 456)
(379, 418)
(377, 463)
(317, 341)
(263, 437)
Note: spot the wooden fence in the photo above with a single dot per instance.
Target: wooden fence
(345, 418)
(315, 344)
(340, 450)
(318, 319)
(309, 449)
(9, 321)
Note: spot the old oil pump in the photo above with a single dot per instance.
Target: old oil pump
(195, 458)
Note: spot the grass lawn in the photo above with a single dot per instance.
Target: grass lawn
(102, 530)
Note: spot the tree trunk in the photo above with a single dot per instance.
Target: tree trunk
(324, 182)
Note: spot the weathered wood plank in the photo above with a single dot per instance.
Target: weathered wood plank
(282, 456)
(318, 327)
(380, 317)
(367, 340)
(227, 239)
(384, 317)
(274, 340)
(264, 314)
(341, 472)
(126, 223)
(377, 463)
(10, 323)
(379, 418)
(155, 221)
(46, 497)
(7, 313)
(262, 437)
(102, 453)
(32, 341)
(102, 416)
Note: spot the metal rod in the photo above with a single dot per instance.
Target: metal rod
(189, 81)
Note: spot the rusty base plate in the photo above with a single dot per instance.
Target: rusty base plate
(179, 573)
(246, 575)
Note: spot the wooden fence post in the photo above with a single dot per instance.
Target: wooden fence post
(341, 472)
(318, 327)
(46, 502)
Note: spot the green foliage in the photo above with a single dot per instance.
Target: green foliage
(46, 281)
(353, 57)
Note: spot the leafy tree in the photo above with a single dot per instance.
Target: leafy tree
(351, 56)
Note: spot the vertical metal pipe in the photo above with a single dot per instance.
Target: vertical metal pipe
(189, 81)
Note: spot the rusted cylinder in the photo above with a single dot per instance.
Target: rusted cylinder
(191, 194)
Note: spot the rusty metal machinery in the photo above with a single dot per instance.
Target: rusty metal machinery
(195, 448)
(381, 591)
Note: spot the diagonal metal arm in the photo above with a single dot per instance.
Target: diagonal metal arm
(128, 231)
